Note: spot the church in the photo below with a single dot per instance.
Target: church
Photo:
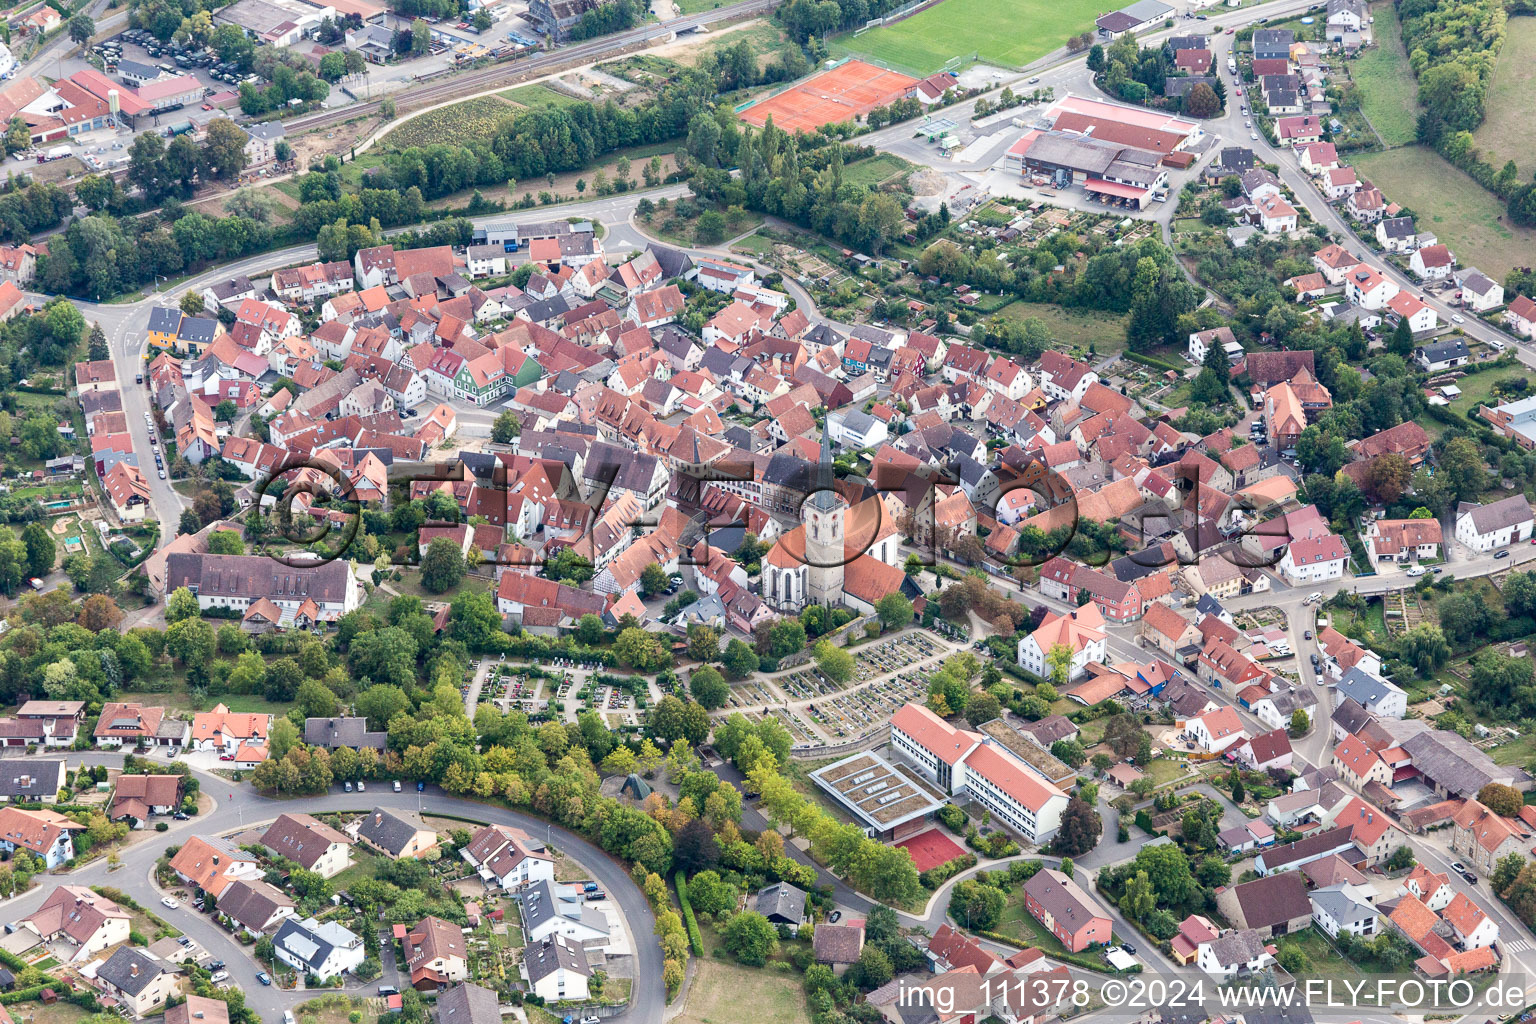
(839, 556)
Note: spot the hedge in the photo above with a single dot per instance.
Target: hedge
(937, 876)
(695, 940)
(1153, 361)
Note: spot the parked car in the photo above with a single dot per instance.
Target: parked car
(264, 977)
(348, 787)
(217, 965)
(397, 785)
(834, 917)
(1470, 877)
(1306, 634)
(388, 990)
(166, 901)
(1501, 554)
(219, 976)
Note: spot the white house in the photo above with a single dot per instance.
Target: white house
(1420, 317)
(1479, 292)
(852, 428)
(1496, 525)
(551, 909)
(1432, 263)
(324, 950)
(1314, 560)
(508, 857)
(557, 970)
(1335, 909)
(1443, 355)
(1200, 343)
(1082, 631)
(1368, 288)
(1473, 927)
(1235, 952)
(1378, 696)
(1217, 730)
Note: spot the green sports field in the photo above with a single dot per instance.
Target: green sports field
(1006, 32)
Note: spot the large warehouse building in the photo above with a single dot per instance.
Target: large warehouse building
(1118, 153)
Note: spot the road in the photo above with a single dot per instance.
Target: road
(238, 806)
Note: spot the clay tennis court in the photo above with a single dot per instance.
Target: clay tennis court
(840, 94)
(930, 849)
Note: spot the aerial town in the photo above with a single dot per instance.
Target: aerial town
(942, 512)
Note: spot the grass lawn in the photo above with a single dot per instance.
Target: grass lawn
(695, 6)
(1165, 770)
(874, 170)
(539, 96)
(1389, 92)
(1520, 751)
(723, 992)
(182, 699)
(1463, 214)
(1074, 328)
(364, 865)
(1502, 135)
(1001, 32)
(1325, 958)
(37, 1013)
(755, 244)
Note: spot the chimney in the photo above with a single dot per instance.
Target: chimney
(133, 969)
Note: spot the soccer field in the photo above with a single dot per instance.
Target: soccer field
(1006, 32)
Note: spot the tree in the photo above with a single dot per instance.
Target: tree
(506, 427)
(976, 904)
(708, 687)
(1300, 723)
(694, 847)
(640, 650)
(1502, 800)
(225, 542)
(99, 612)
(81, 28)
(653, 579)
(703, 643)
(1080, 829)
(1237, 789)
(1058, 662)
(983, 707)
(224, 148)
(894, 610)
(1425, 648)
(834, 662)
(739, 659)
(750, 938)
(1201, 101)
(180, 605)
(41, 549)
(442, 567)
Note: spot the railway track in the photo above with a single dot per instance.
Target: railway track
(531, 67)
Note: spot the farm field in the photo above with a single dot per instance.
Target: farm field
(1389, 92)
(997, 31)
(1461, 212)
(470, 121)
(1502, 135)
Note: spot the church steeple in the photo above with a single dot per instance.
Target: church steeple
(823, 490)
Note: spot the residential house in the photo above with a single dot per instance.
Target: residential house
(325, 950)
(396, 836)
(255, 906)
(309, 843)
(1498, 524)
(140, 981)
(46, 835)
(1066, 910)
(76, 918)
(436, 954)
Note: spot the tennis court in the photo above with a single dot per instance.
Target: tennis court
(839, 94)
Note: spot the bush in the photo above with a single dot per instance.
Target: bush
(161, 826)
(952, 817)
(937, 876)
